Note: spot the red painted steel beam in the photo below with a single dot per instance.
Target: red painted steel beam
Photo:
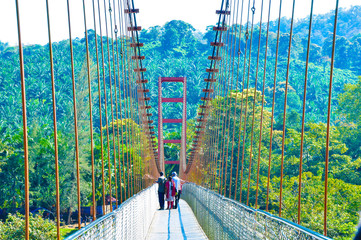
(208, 70)
(136, 44)
(210, 80)
(217, 44)
(131, 11)
(172, 99)
(216, 58)
(142, 81)
(172, 141)
(140, 70)
(172, 79)
(138, 28)
(206, 98)
(219, 28)
(171, 162)
(207, 90)
(145, 107)
(143, 90)
(172, 120)
(182, 141)
(138, 57)
(223, 12)
(203, 106)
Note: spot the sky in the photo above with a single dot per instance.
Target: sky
(199, 13)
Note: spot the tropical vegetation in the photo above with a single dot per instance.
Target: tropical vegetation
(177, 49)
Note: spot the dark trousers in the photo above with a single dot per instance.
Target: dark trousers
(177, 197)
(161, 199)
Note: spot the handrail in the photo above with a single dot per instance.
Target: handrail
(130, 221)
(224, 218)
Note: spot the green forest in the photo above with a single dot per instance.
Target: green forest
(178, 49)
(184, 52)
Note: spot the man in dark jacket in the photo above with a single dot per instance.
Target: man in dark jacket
(161, 190)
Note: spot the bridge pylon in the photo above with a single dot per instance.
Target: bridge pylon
(183, 141)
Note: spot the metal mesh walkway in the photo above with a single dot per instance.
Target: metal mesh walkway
(200, 212)
(130, 221)
(175, 224)
(224, 218)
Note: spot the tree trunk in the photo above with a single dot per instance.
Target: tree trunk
(69, 216)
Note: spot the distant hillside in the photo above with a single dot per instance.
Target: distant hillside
(177, 49)
(348, 25)
(348, 44)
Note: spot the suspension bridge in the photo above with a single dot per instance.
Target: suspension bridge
(222, 155)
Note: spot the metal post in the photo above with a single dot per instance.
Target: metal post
(160, 127)
(183, 156)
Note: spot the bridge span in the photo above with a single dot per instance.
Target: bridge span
(202, 214)
(245, 160)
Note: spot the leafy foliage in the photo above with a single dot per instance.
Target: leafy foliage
(39, 229)
(177, 49)
(241, 163)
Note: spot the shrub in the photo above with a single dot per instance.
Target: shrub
(39, 229)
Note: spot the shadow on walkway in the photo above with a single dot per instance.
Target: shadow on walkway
(175, 224)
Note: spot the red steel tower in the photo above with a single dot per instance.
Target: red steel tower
(161, 141)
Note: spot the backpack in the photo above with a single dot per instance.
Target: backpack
(161, 186)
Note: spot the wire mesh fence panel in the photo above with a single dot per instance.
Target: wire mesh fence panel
(130, 221)
(224, 218)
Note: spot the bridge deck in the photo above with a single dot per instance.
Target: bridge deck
(175, 224)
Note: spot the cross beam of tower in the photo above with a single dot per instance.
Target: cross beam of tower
(183, 121)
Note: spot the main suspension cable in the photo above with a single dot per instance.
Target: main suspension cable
(273, 104)
(56, 154)
(303, 117)
(76, 134)
(25, 125)
(285, 107)
(262, 107)
(328, 120)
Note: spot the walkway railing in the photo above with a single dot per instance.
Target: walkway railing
(130, 221)
(224, 218)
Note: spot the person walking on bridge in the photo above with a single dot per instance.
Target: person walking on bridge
(161, 190)
(170, 191)
(178, 187)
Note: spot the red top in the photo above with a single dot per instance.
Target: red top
(167, 189)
